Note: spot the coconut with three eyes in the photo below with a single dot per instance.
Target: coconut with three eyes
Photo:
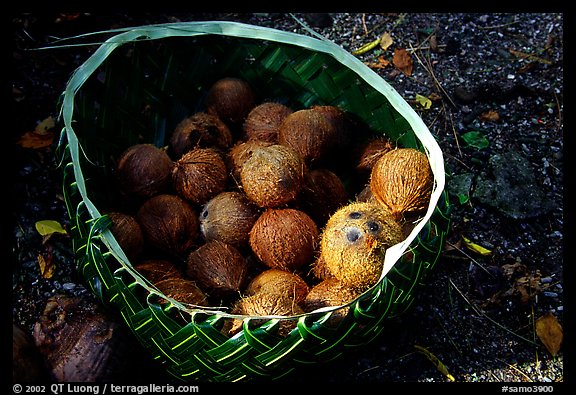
(354, 242)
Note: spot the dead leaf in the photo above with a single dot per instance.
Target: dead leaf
(475, 247)
(490, 115)
(42, 136)
(434, 359)
(47, 267)
(423, 102)
(550, 332)
(48, 226)
(385, 41)
(366, 47)
(379, 64)
(402, 60)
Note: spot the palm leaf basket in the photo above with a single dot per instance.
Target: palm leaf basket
(137, 85)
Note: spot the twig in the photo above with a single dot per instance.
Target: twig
(480, 313)
(516, 369)
(428, 68)
(497, 26)
(469, 257)
(364, 24)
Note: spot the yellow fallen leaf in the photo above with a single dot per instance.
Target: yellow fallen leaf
(48, 226)
(475, 247)
(45, 125)
(550, 332)
(366, 47)
(423, 101)
(385, 41)
(434, 359)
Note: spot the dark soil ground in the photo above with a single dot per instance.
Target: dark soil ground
(500, 75)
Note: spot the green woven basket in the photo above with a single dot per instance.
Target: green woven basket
(135, 88)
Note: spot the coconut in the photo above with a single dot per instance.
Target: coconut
(143, 171)
(128, 233)
(330, 293)
(200, 130)
(230, 99)
(340, 121)
(240, 153)
(284, 238)
(183, 291)
(402, 180)
(309, 133)
(199, 175)
(217, 267)
(155, 270)
(279, 282)
(355, 240)
(263, 121)
(264, 304)
(272, 176)
(228, 217)
(370, 152)
(322, 194)
(169, 224)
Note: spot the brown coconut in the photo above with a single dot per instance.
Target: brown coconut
(143, 171)
(182, 290)
(228, 217)
(263, 121)
(156, 270)
(80, 341)
(200, 130)
(370, 152)
(240, 153)
(128, 233)
(217, 267)
(264, 304)
(402, 181)
(284, 238)
(355, 240)
(323, 192)
(230, 99)
(199, 175)
(279, 282)
(341, 122)
(169, 223)
(331, 293)
(272, 176)
(309, 133)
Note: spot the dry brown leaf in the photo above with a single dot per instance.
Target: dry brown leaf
(550, 332)
(42, 136)
(46, 265)
(402, 60)
(490, 115)
(379, 64)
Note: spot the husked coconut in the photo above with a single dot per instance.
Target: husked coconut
(402, 180)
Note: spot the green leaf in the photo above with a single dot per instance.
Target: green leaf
(48, 226)
(476, 139)
(463, 199)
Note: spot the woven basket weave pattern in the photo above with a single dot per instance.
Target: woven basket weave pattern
(117, 107)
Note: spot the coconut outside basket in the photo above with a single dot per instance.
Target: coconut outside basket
(137, 85)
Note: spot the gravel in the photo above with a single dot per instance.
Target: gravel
(497, 75)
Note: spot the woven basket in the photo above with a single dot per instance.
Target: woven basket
(135, 88)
